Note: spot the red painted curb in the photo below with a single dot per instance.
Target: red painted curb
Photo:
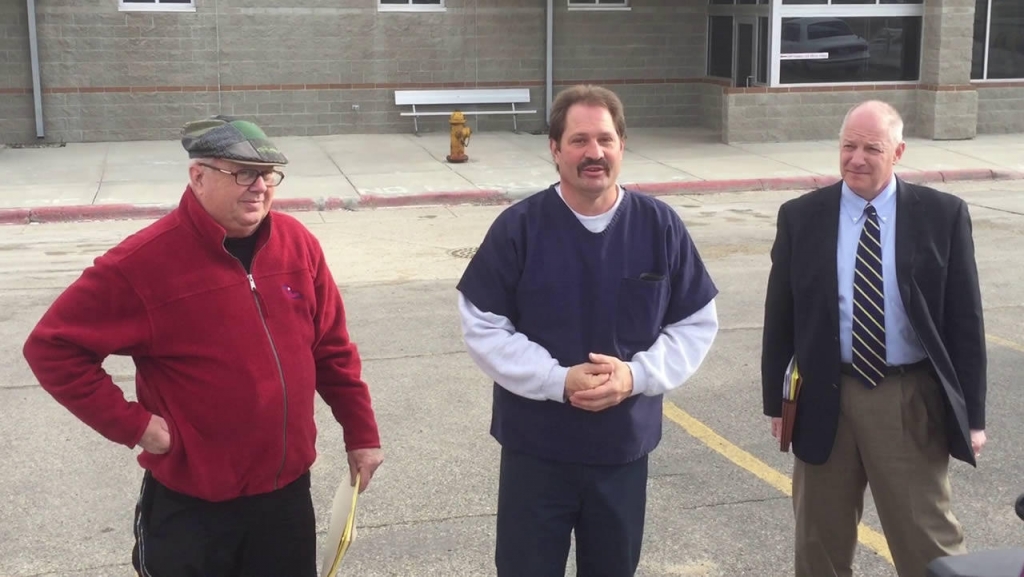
(337, 204)
(465, 196)
(97, 212)
(736, 185)
(795, 182)
(920, 176)
(1003, 174)
(46, 214)
(966, 174)
(695, 186)
(14, 215)
(294, 204)
(724, 185)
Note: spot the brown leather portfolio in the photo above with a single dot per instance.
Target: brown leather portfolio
(788, 418)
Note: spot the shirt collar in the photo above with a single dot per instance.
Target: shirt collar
(884, 203)
(618, 201)
(207, 228)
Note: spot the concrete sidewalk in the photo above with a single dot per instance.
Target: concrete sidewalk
(118, 180)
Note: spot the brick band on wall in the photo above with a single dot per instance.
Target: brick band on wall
(361, 86)
(76, 114)
(529, 83)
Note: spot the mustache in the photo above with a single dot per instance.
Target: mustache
(588, 163)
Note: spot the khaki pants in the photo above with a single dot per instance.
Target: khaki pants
(893, 439)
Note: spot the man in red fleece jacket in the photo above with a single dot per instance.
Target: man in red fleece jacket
(234, 322)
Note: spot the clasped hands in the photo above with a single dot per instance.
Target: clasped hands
(602, 383)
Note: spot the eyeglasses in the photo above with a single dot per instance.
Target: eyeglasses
(247, 176)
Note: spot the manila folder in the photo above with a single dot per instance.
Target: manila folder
(342, 529)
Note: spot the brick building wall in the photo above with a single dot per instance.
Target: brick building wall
(1000, 107)
(331, 67)
(756, 115)
(320, 67)
(17, 115)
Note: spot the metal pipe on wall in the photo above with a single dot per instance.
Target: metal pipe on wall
(549, 64)
(33, 45)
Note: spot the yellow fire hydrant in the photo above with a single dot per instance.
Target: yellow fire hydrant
(460, 137)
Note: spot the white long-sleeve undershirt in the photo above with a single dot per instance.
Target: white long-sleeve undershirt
(525, 368)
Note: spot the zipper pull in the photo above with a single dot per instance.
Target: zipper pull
(252, 283)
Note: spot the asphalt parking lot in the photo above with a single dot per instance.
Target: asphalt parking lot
(718, 501)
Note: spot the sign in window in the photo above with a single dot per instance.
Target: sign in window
(850, 49)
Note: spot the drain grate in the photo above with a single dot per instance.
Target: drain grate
(465, 252)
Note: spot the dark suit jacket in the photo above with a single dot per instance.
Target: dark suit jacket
(938, 282)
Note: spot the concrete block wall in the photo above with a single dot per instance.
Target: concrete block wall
(1000, 107)
(947, 104)
(711, 94)
(110, 75)
(668, 104)
(947, 112)
(948, 42)
(16, 106)
(652, 56)
(943, 105)
(753, 115)
(17, 118)
(655, 39)
(300, 69)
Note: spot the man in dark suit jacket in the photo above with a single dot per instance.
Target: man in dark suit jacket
(874, 289)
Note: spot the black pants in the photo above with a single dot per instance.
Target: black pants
(541, 503)
(270, 535)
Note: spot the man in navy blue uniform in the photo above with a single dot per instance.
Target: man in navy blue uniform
(585, 303)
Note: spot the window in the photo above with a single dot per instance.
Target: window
(738, 2)
(156, 5)
(738, 49)
(720, 46)
(864, 49)
(848, 2)
(762, 51)
(598, 4)
(411, 6)
(998, 40)
(815, 41)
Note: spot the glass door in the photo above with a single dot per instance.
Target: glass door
(746, 51)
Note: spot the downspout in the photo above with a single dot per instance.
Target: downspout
(548, 82)
(216, 27)
(33, 46)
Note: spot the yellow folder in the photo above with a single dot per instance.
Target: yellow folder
(792, 381)
(342, 530)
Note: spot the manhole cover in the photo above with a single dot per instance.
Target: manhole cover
(466, 252)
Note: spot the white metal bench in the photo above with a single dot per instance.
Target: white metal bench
(455, 98)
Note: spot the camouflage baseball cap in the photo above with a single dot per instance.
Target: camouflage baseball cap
(231, 139)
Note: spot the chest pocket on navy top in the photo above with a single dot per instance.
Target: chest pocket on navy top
(641, 307)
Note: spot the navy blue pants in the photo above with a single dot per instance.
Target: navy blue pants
(541, 503)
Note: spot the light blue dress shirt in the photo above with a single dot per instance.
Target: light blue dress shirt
(902, 346)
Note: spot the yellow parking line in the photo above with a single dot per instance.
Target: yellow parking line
(868, 536)
(1005, 343)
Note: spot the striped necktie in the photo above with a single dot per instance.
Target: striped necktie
(869, 304)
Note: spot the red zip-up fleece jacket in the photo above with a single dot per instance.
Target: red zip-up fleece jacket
(230, 360)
